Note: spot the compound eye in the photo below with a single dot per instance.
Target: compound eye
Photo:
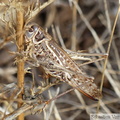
(31, 31)
(33, 28)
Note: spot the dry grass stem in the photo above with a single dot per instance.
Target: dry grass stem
(20, 64)
(74, 25)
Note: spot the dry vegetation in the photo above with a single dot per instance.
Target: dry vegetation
(79, 25)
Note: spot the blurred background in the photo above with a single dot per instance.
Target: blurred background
(77, 25)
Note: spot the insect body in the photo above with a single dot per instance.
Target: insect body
(56, 62)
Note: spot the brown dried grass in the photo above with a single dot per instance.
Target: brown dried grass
(84, 25)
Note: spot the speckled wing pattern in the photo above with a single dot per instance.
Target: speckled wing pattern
(43, 48)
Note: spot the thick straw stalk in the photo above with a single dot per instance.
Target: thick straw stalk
(20, 65)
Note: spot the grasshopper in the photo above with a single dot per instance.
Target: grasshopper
(56, 62)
